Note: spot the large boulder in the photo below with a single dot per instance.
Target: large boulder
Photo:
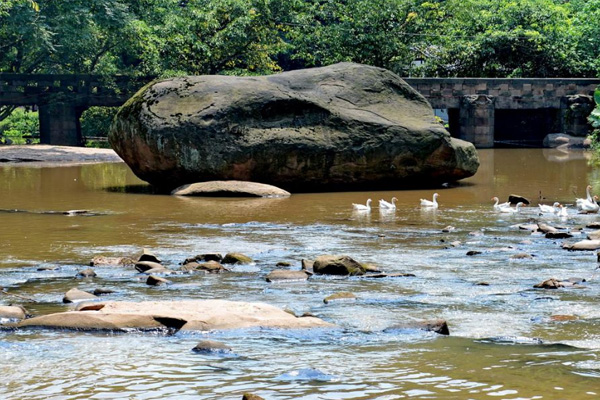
(345, 126)
(190, 315)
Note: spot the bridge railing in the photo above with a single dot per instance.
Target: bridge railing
(28, 89)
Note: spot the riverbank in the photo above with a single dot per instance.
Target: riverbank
(47, 156)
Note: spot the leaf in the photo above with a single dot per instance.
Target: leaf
(597, 96)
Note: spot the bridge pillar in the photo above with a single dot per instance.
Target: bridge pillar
(476, 120)
(59, 124)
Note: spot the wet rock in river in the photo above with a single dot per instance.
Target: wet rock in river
(337, 265)
(583, 245)
(385, 275)
(545, 228)
(212, 347)
(108, 261)
(594, 235)
(250, 396)
(75, 295)
(287, 275)
(439, 326)
(213, 267)
(149, 256)
(339, 297)
(102, 291)
(558, 235)
(283, 264)
(515, 198)
(473, 252)
(154, 280)
(87, 273)
(554, 283)
(143, 266)
(236, 258)
(13, 312)
(204, 257)
(187, 315)
(521, 256)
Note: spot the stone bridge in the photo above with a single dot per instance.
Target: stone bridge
(494, 111)
(61, 99)
(484, 111)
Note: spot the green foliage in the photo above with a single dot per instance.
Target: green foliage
(594, 120)
(20, 123)
(95, 121)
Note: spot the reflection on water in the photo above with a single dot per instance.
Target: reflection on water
(507, 340)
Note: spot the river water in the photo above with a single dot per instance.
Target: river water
(507, 340)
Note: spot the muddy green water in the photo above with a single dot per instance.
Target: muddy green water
(508, 340)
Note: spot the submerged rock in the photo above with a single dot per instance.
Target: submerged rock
(87, 273)
(339, 297)
(345, 126)
(191, 315)
(439, 326)
(250, 396)
(212, 347)
(149, 256)
(230, 189)
(156, 281)
(287, 275)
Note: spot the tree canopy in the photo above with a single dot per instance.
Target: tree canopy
(480, 38)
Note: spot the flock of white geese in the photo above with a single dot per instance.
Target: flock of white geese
(586, 205)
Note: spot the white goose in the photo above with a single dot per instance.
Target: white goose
(589, 207)
(362, 207)
(588, 199)
(497, 206)
(430, 204)
(386, 205)
(562, 211)
(515, 210)
(554, 209)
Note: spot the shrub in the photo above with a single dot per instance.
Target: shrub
(18, 124)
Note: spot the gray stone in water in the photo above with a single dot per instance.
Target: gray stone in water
(339, 297)
(515, 198)
(439, 326)
(212, 347)
(87, 273)
(103, 260)
(156, 280)
(287, 275)
(345, 126)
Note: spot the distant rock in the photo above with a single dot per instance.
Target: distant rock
(230, 189)
(564, 141)
(149, 256)
(236, 258)
(337, 265)
(287, 275)
(339, 297)
(104, 261)
(212, 347)
(439, 326)
(154, 280)
(87, 273)
(515, 198)
(583, 245)
(75, 295)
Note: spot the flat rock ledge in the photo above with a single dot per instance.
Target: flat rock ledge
(230, 189)
(187, 315)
